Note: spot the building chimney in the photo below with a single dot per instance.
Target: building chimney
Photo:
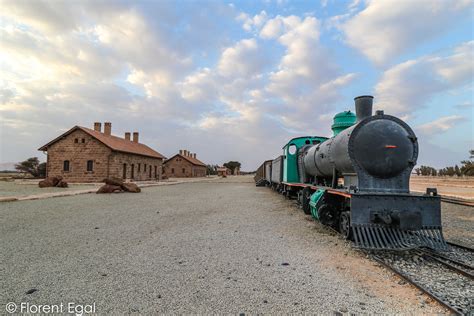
(363, 106)
(135, 137)
(180, 151)
(194, 155)
(97, 127)
(108, 128)
(185, 152)
(127, 136)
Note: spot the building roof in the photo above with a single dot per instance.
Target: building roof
(320, 138)
(113, 142)
(192, 160)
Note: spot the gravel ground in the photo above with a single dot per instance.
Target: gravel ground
(458, 223)
(450, 286)
(224, 247)
(11, 188)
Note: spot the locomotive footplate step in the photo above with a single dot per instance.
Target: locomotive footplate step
(380, 237)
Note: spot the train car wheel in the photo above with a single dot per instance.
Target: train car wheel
(305, 200)
(345, 225)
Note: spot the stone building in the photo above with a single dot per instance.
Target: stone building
(184, 165)
(90, 155)
(223, 171)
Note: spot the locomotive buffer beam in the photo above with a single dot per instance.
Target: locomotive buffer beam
(405, 220)
(395, 222)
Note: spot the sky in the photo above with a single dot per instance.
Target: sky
(234, 80)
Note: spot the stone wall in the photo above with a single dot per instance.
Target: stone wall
(78, 153)
(138, 163)
(179, 167)
(106, 163)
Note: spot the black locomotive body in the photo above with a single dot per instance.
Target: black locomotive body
(358, 182)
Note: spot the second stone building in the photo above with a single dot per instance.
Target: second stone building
(184, 165)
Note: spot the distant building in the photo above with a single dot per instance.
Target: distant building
(184, 165)
(236, 171)
(221, 171)
(90, 155)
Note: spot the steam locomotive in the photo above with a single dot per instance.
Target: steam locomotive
(357, 181)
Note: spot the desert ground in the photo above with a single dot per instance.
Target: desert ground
(221, 246)
(462, 188)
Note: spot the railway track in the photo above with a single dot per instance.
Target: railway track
(447, 277)
(457, 201)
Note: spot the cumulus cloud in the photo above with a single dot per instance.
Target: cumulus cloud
(408, 86)
(184, 79)
(199, 86)
(250, 23)
(386, 29)
(272, 28)
(307, 78)
(441, 125)
(115, 64)
(48, 16)
(243, 59)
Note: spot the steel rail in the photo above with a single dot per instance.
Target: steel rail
(452, 266)
(417, 285)
(460, 246)
(457, 201)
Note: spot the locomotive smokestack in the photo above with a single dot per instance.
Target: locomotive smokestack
(363, 106)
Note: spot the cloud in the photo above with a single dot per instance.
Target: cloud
(48, 16)
(185, 77)
(250, 23)
(387, 29)
(465, 105)
(441, 125)
(272, 29)
(243, 59)
(404, 88)
(307, 78)
(199, 86)
(456, 69)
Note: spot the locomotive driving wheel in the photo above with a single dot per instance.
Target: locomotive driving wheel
(327, 215)
(345, 225)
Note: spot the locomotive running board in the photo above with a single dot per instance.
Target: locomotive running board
(379, 237)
